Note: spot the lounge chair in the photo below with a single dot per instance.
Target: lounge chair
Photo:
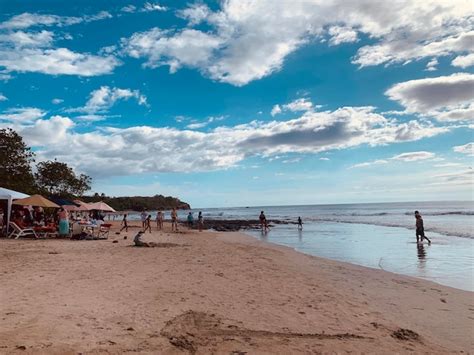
(17, 232)
(104, 230)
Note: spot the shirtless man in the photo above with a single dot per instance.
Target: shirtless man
(174, 220)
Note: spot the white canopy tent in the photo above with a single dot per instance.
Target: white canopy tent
(10, 195)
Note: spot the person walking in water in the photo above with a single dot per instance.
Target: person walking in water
(300, 224)
(420, 230)
(190, 220)
(174, 220)
(263, 221)
(124, 223)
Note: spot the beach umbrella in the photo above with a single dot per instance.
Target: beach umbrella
(78, 207)
(64, 202)
(10, 195)
(101, 206)
(36, 200)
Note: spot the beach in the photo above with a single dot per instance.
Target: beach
(215, 292)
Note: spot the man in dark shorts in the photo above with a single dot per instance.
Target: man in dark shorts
(263, 221)
(420, 230)
(124, 223)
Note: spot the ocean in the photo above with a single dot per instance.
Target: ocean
(376, 235)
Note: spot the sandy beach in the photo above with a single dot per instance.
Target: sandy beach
(215, 292)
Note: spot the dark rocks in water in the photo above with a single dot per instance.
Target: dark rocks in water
(234, 225)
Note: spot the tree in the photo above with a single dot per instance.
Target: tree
(15, 162)
(58, 179)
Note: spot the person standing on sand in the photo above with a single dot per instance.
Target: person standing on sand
(190, 220)
(263, 221)
(300, 224)
(63, 222)
(174, 220)
(143, 216)
(148, 224)
(159, 220)
(200, 221)
(420, 230)
(124, 223)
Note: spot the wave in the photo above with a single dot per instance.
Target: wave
(447, 213)
(457, 233)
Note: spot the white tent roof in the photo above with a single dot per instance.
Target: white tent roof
(6, 194)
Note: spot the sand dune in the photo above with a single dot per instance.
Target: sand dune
(215, 292)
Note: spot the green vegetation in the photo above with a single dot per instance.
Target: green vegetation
(138, 203)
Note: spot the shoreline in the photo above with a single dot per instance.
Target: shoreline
(260, 296)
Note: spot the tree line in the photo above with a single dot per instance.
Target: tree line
(55, 179)
(51, 178)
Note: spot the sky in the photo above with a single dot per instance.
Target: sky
(246, 102)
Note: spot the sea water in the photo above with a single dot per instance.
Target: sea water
(378, 235)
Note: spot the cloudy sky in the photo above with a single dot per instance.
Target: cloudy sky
(247, 102)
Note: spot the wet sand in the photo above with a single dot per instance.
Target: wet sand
(215, 292)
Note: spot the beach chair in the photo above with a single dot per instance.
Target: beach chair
(104, 231)
(17, 232)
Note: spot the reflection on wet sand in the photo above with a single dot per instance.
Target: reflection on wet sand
(421, 255)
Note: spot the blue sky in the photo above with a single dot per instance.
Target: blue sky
(240, 103)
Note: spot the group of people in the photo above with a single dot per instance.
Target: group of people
(146, 220)
(264, 223)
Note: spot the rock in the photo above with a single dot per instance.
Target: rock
(115, 241)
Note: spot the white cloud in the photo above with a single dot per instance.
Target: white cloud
(22, 115)
(405, 157)
(464, 61)
(248, 39)
(465, 177)
(444, 97)
(465, 149)
(189, 48)
(325, 159)
(276, 110)
(26, 20)
(414, 156)
(149, 6)
(195, 13)
(105, 97)
(129, 8)
(27, 39)
(56, 61)
(221, 147)
(369, 163)
(297, 105)
(340, 34)
(202, 124)
(431, 66)
(57, 101)
(3, 97)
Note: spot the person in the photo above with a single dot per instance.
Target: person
(138, 241)
(159, 220)
(148, 224)
(190, 220)
(300, 223)
(200, 221)
(420, 230)
(124, 223)
(63, 222)
(174, 220)
(143, 217)
(263, 221)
